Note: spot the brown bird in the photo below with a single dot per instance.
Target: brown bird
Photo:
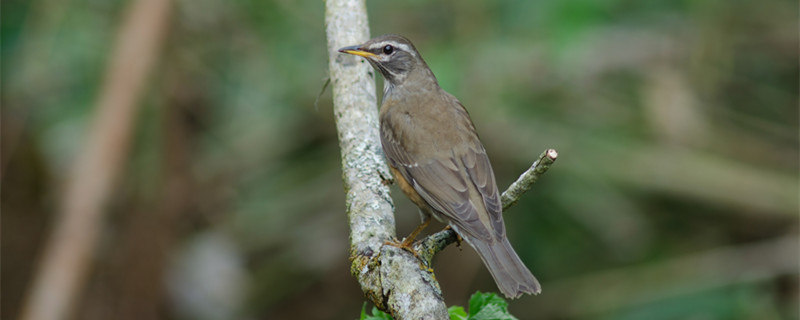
(438, 161)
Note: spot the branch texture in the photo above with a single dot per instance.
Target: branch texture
(528, 178)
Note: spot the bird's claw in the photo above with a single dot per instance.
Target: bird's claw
(459, 239)
(406, 244)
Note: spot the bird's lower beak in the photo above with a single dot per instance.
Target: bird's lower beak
(357, 51)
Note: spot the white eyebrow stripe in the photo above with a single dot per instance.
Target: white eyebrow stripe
(400, 46)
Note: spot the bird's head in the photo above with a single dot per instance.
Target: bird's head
(393, 55)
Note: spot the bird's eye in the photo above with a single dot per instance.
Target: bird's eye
(388, 49)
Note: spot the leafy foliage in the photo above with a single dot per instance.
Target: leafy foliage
(482, 306)
(376, 314)
(488, 306)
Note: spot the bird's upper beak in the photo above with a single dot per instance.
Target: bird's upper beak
(356, 50)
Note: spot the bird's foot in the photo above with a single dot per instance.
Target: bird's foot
(459, 240)
(407, 244)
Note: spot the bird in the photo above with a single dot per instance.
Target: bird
(438, 160)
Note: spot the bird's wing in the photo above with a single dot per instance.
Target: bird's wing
(458, 183)
(479, 169)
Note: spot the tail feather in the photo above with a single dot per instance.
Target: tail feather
(508, 271)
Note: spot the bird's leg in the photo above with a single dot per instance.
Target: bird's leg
(409, 241)
(426, 220)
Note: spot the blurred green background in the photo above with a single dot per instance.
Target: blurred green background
(675, 195)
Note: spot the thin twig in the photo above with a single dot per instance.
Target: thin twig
(321, 91)
(528, 178)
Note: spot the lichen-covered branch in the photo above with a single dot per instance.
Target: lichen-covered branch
(369, 205)
(436, 242)
(390, 277)
(528, 178)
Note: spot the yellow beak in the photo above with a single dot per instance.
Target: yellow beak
(355, 50)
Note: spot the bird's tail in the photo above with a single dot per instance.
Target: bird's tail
(508, 271)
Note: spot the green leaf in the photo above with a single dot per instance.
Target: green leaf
(488, 306)
(376, 314)
(482, 306)
(380, 315)
(363, 312)
(493, 312)
(480, 300)
(457, 313)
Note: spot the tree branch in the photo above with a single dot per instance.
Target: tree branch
(510, 197)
